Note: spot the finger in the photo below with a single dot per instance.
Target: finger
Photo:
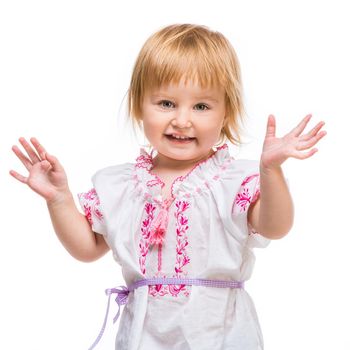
(305, 155)
(45, 165)
(25, 160)
(271, 126)
(32, 155)
(56, 165)
(312, 132)
(301, 126)
(18, 176)
(311, 142)
(38, 146)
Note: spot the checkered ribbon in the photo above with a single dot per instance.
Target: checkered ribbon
(123, 292)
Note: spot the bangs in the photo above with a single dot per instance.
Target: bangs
(187, 58)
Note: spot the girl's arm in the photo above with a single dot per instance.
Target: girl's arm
(48, 178)
(74, 231)
(272, 214)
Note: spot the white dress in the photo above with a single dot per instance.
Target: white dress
(207, 237)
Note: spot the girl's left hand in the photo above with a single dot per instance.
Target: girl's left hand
(277, 150)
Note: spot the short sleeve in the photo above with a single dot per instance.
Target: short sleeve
(248, 193)
(90, 204)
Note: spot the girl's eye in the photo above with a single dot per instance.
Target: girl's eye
(202, 105)
(165, 103)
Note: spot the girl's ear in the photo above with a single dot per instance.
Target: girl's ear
(224, 123)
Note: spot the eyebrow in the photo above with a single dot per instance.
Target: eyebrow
(196, 97)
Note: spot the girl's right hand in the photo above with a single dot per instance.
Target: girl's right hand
(46, 175)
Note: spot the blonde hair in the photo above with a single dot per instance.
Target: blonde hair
(196, 53)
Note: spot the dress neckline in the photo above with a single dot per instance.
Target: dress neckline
(194, 180)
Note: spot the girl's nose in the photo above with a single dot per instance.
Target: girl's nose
(182, 119)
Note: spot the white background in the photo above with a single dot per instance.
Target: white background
(65, 67)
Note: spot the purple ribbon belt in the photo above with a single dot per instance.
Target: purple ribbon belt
(123, 292)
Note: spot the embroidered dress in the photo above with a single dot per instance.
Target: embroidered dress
(201, 233)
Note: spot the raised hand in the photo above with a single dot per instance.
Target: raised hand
(294, 144)
(46, 175)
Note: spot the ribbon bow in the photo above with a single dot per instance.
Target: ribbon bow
(121, 299)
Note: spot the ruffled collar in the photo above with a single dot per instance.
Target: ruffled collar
(198, 179)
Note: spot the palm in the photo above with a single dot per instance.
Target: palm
(294, 144)
(45, 182)
(45, 175)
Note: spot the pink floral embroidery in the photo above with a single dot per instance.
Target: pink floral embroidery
(249, 178)
(182, 259)
(154, 182)
(171, 289)
(90, 203)
(244, 197)
(144, 160)
(145, 235)
(175, 290)
(158, 289)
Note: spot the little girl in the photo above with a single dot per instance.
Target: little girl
(183, 219)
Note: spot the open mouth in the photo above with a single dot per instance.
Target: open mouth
(180, 139)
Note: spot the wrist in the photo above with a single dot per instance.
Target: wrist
(61, 198)
(270, 170)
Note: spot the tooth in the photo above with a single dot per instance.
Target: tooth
(181, 137)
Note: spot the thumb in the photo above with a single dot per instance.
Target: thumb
(53, 161)
(45, 165)
(271, 126)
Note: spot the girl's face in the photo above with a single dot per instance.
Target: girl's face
(183, 111)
